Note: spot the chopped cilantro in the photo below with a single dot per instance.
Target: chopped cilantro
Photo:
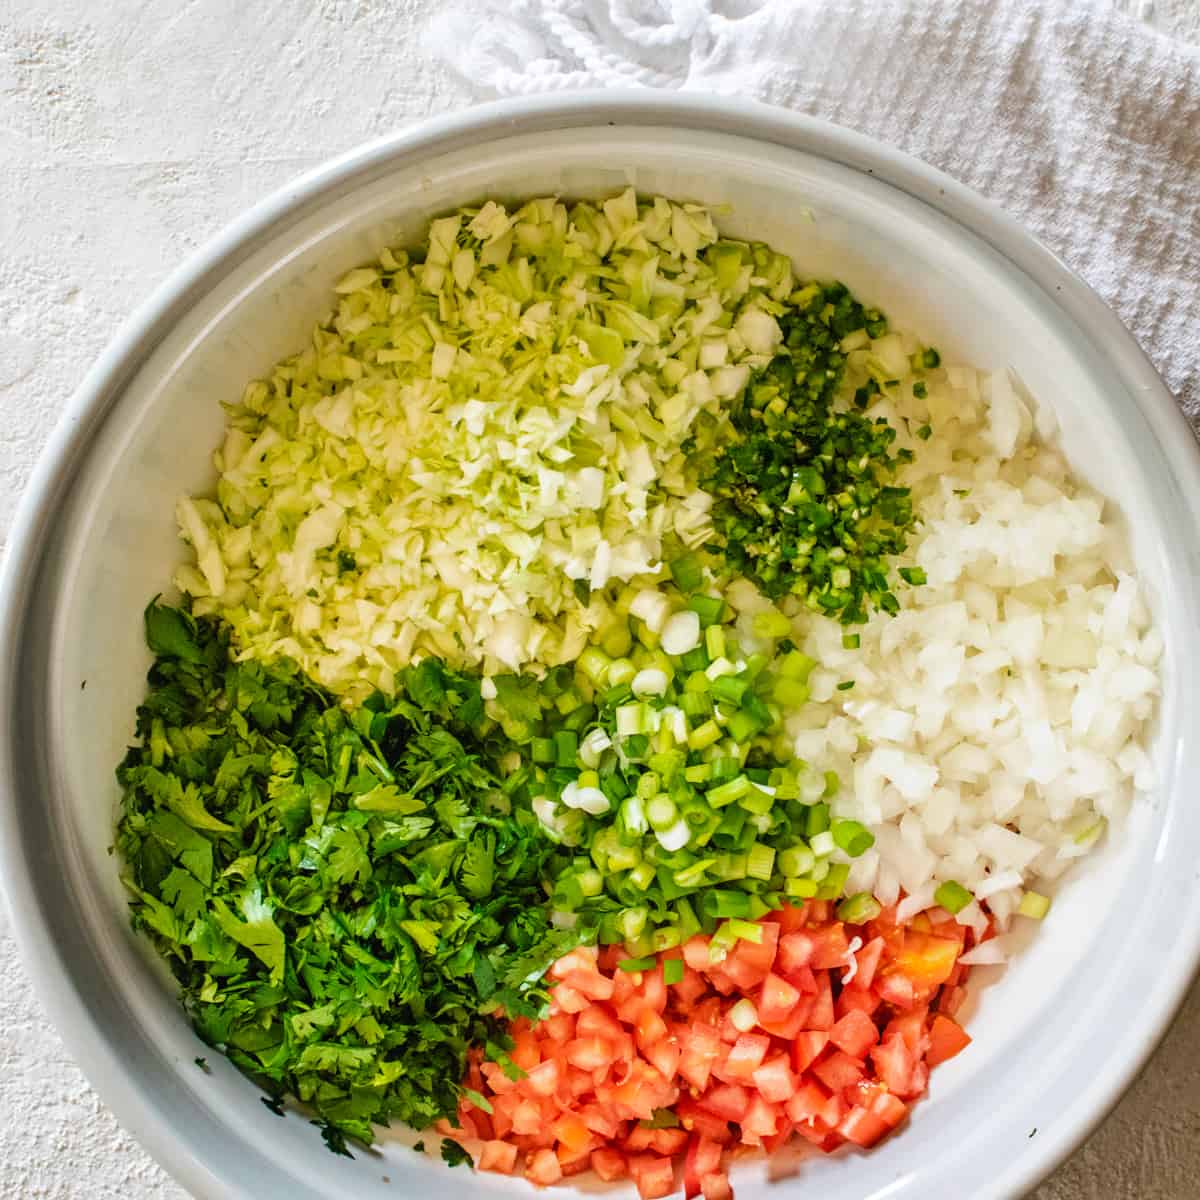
(344, 896)
(453, 1155)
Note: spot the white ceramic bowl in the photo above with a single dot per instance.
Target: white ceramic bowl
(1068, 1025)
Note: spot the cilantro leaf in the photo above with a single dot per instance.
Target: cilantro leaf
(453, 1155)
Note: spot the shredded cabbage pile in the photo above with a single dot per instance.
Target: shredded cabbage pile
(486, 434)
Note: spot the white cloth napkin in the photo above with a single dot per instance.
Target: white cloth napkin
(1081, 122)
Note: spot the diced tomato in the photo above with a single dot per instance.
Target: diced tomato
(695, 953)
(856, 999)
(777, 999)
(895, 1061)
(543, 1168)
(789, 918)
(793, 1023)
(527, 1117)
(761, 1120)
(838, 1070)
(727, 1100)
(571, 1131)
(774, 1079)
(650, 1027)
(498, 1156)
(862, 1127)
(654, 989)
(598, 1021)
(802, 979)
(664, 1056)
(745, 1055)
(589, 983)
(703, 1158)
(526, 1052)
(820, 1015)
(668, 1141)
(588, 1053)
(699, 1120)
(911, 1027)
(759, 956)
(926, 959)
(868, 958)
(715, 1186)
(946, 1039)
(831, 949)
(654, 1176)
(689, 989)
(806, 1102)
(599, 1120)
(558, 1028)
(609, 1164)
(543, 1079)
(951, 1000)
(855, 1033)
(796, 950)
(568, 999)
(896, 990)
(496, 1079)
(806, 1047)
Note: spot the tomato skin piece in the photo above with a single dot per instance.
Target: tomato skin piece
(838, 1071)
(855, 1033)
(609, 1164)
(774, 1080)
(776, 1000)
(946, 1039)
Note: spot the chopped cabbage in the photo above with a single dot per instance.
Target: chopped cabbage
(483, 441)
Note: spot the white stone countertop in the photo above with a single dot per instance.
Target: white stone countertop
(131, 131)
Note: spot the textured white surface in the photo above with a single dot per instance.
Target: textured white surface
(131, 131)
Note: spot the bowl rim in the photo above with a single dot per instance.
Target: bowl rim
(150, 323)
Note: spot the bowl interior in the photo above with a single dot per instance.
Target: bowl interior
(1050, 1017)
